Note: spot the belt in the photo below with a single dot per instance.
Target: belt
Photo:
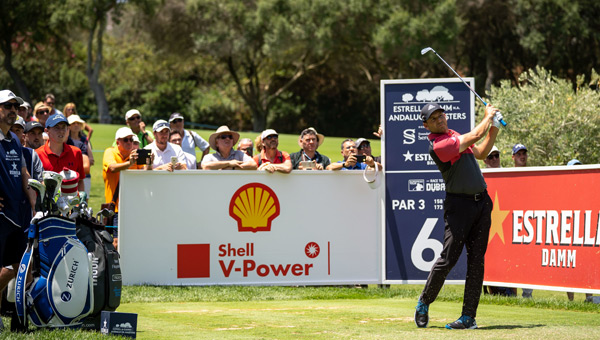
(475, 197)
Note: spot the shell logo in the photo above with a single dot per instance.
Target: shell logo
(254, 206)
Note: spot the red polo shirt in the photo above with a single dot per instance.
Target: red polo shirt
(281, 157)
(70, 158)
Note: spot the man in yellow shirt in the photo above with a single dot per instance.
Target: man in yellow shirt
(117, 158)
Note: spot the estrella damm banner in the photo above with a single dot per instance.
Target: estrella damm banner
(545, 227)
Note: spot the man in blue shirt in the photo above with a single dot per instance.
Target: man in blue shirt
(13, 182)
(350, 161)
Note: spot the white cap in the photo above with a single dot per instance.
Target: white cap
(75, 119)
(7, 95)
(160, 125)
(132, 113)
(124, 132)
(267, 133)
(135, 139)
(494, 149)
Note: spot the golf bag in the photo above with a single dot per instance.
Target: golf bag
(60, 294)
(106, 269)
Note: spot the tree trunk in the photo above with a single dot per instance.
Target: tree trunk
(259, 119)
(93, 72)
(21, 88)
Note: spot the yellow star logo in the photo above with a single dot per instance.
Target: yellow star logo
(498, 217)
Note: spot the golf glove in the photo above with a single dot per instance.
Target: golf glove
(497, 118)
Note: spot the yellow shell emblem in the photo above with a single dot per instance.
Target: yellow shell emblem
(254, 206)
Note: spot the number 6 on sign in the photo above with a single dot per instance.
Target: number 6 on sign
(424, 242)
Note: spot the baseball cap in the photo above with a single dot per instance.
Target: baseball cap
(574, 162)
(123, 132)
(7, 95)
(135, 139)
(160, 125)
(33, 125)
(175, 115)
(428, 109)
(20, 121)
(75, 119)
(55, 119)
(360, 141)
(518, 147)
(267, 133)
(494, 149)
(132, 113)
(26, 105)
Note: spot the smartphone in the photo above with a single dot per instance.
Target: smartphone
(360, 158)
(173, 160)
(308, 165)
(143, 156)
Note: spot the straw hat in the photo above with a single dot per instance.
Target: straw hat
(212, 140)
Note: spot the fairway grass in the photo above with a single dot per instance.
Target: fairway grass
(351, 319)
(235, 312)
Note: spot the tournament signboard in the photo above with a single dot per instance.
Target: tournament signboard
(415, 190)
(545, 229)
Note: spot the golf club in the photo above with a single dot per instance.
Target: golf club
(40, 191)
(52, 181)
(427, 49)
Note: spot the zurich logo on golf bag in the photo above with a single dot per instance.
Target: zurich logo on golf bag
(61, 292)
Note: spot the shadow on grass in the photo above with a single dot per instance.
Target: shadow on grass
(509, 327)
(484, 328)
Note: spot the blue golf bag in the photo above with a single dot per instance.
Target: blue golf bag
(61, 293)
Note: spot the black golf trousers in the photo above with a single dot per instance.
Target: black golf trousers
(467, 224)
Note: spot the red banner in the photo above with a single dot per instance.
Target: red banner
(545, 228)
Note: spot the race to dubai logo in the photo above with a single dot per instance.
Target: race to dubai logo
(254, 206)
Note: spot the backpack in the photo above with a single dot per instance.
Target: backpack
(60, 294)
(106, 269)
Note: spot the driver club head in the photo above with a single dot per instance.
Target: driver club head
(40, 190)
(53, 181)
(37, 186)
(426, 49)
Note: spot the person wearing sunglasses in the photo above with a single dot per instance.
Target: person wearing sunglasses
(225, 157)
(133, 119)
(363, 147)
(41, 113)
(270, 158)
(167, 156)
(493, 158)
(122, 156)
(13, 189)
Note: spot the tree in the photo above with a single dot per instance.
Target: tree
(23, 22)
(545, 113)
(267, 45)
(93, 17)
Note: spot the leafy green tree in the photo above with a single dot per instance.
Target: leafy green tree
(93, 17)
(559, 35)
(267, 45)
(23, 22)
(555, 121)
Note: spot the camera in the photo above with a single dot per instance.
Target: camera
(360, 158)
